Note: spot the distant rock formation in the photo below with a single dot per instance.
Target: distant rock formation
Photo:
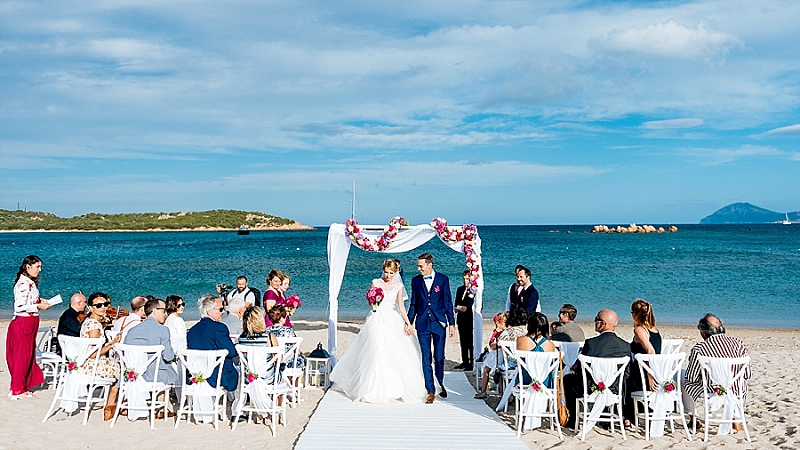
(748, 213)
(633, 228)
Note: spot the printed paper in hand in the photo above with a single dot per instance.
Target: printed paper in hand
(55, 300)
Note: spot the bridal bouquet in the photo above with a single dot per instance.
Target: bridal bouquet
(374, 297)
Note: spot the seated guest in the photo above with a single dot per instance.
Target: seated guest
(646, 339)
(606, 345)
(278, 317)
(490, 356)
(92, 327)
(177, 326)
(254, 330)
(210, 334)
(69, 324)
(233, 318)
(517, 322)
(536, 341)
(153, 332)
(125, 323)
(718, 345)
(566, 330)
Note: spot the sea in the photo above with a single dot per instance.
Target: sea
(749, 275)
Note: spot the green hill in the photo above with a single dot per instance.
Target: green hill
(747, 213)
(203, 220)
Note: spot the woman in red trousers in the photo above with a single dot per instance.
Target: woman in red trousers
(21, 338)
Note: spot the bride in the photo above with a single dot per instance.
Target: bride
(383, 364)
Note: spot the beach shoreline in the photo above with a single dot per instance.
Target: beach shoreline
(772, 409)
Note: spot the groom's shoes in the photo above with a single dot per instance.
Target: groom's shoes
(443, 394)
(429, 398)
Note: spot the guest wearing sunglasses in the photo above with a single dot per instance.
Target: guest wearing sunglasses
(92, 327)
(177, 327)
(565, 329)
(211, 334)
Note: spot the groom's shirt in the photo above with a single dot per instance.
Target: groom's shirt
(428, 279)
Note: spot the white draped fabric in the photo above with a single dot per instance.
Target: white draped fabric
(607, 371)
(76, 382)
(139, 390)
(719, 369)
(407, 239)
(663, 370)
(534, 403)
(203, 394)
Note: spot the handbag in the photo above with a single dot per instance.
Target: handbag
(563, 411)
(482, 355)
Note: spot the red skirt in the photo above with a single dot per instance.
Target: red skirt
(21, 354)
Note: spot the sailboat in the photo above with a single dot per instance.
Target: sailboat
(786, 221)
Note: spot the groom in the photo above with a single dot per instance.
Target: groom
(432, 307)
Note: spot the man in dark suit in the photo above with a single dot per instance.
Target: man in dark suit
(211, 334)
(523, 295)
(463, 306)
(606, 345)
(432, 307)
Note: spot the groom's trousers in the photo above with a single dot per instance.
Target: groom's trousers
(438, 337)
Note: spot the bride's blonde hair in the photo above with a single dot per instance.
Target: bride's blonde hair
(391, 265)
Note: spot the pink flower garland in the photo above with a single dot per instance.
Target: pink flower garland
(467, 233)
(363, 242)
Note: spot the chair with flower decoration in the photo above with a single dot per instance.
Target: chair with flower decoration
(261, 389)
(74, 385)
(604, 372)
(136, 394)
(666, 402)
(207, 402)
(723, 404)
(46, 353)
(293, 376)
(536, 400)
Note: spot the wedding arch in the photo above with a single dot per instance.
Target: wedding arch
(399, 237)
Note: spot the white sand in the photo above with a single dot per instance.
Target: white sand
(773, 412)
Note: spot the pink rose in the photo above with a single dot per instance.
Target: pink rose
(436, 289)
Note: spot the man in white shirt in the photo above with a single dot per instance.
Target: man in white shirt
(244, 293)
(124, 324)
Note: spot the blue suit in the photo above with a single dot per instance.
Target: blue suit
(431, 312)
(209, 334)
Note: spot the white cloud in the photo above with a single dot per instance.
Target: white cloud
(672, 124)
(790, 130)
(668, 39)
(716, 156)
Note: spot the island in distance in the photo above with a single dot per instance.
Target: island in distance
(747, 213)
(219, 219)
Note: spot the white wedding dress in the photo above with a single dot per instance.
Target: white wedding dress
(383, 364)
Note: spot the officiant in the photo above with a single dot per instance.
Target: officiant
(463, 308)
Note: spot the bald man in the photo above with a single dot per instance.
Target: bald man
(606, 345)
(68, 323)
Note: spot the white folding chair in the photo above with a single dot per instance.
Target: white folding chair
(722, 373)
(293, 376)
(135, 392)
(208, 402)
(570, 350)
(666, 402)
(535, 400)
(261, 385)
(608, 371)
(46, 356)
(75, 386)
(508, 367)
(670, 346)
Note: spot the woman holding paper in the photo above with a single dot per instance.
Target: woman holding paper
(21, 338)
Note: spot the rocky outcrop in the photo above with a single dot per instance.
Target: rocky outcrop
(633, 228)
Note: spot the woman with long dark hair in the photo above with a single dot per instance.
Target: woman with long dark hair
(21, 337)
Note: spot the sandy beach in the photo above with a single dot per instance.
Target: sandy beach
(773, 412)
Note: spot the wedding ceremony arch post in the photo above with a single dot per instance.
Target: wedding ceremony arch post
(398, 237)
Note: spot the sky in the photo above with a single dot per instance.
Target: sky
(485, 112)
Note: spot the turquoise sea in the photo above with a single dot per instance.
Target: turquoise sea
(747, 274)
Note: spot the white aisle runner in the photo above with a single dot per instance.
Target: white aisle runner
(458, 422)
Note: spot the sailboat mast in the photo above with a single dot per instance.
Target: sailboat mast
(353, 201)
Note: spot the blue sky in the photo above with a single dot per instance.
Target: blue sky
(491, 112)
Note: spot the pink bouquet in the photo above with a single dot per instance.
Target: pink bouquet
(293, 301)
(374, 297)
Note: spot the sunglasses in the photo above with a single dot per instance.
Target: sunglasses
(180, 305)
(597, 319)
(221, 309)
(101, 305)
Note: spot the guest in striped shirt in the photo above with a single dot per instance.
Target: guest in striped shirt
(715, 344)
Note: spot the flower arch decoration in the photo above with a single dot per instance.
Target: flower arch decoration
(448, 234)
